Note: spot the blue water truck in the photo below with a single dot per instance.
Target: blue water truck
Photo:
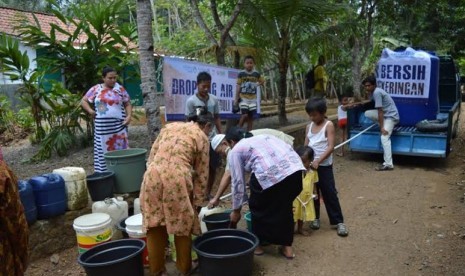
(428, 98)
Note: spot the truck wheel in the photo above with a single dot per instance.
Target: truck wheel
(455, 130)
(432, 126)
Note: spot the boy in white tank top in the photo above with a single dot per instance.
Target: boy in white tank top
(320, 135)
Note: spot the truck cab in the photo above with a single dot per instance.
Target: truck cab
(431, 138)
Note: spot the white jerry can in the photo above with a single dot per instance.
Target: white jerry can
(117, 208)
(137, 206)
(76, 186)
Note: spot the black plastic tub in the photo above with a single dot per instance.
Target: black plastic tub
(121, 226)
(100, 185)
(217, 221)
(121, 257)
(226, 252)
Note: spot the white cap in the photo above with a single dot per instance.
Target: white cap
(217, 139)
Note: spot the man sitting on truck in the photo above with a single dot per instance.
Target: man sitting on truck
(386, 114)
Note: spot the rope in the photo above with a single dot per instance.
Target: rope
(336, 147)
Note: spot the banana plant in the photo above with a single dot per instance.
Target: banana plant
(16, 65)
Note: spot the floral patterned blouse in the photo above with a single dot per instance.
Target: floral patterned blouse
(175, 180)
(109, 102)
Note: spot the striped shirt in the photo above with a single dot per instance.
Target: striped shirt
(269, 158)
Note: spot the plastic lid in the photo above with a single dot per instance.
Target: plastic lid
(92, 220)
(134, 223)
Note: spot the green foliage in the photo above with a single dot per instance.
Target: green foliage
(24, 119)
(15, 64)
(14, 125)
(101, 36)
(7, 118)
(175, 30)
(62, 114)
(105, 36)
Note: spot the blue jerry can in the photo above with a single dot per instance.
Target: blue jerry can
(50, 195)
(26, 195)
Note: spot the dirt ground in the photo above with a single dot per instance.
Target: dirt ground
(409, 221)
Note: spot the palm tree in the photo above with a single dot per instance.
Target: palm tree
(147, 68)
(282, 28)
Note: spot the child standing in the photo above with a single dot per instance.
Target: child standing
(207, 102)
(320, 135)
(342, 121)
(248, 81)
(304, 209)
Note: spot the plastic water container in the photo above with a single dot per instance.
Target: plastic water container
(121, 257)
(412, 108)
(117, 208)
(26, 194)
(137, 206)
(100, 185)
(76, 188)
(248, 219)
(129, 168)
(49, 194)
(135, 231)
(92, 229)
(206, 212)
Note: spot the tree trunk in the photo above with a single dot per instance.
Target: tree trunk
(220, 55)
(147, 68)
(283, 59)
(282, 89)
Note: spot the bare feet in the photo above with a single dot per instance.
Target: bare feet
(259, 251)
(287, 252)
(303, 232)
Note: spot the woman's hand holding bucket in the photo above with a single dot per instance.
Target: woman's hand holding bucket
(235, 216)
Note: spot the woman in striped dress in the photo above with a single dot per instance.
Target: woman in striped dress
(112, 113)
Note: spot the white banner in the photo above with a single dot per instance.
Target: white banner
(405, 74)
(179, 83)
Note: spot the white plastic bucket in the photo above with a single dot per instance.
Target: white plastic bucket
(134, 230)
(92, 229)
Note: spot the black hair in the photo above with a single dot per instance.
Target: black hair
(203, 76)
(249, 57)
(370, 80)
(316, 104)
(306, 151)
(236, 134)
(106, 70)
(202, 119)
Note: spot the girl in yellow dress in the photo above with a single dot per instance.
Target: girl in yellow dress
(304, 209)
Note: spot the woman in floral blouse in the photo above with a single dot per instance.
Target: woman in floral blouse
(173, 190)
(112, 112)
(14, 233)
